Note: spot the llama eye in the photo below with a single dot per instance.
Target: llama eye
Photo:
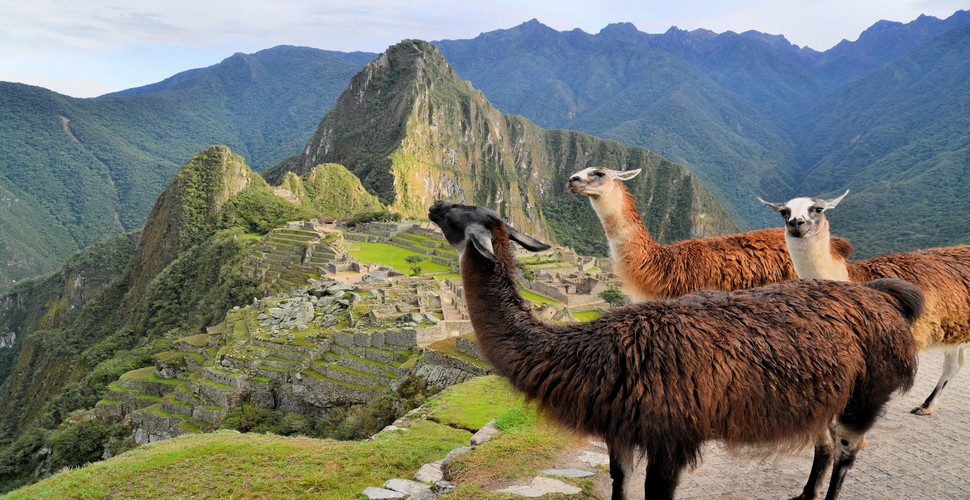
(817, 210)
(598, 174)
(785, 213)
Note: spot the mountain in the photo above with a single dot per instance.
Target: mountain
(413, 132)
(900, 139)
(87, 169)
(752, 114)
(615, 85)
(732, 107)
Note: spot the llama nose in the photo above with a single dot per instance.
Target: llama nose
(796, 222)
(574, 178)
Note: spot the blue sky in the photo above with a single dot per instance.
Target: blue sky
(85, 49)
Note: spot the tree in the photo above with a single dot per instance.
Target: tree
(413, 260)
(613, 296)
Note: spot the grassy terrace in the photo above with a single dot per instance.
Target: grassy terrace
(393, 256)
(227, 464)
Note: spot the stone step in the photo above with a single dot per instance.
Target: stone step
(281, 363)
(344, 374)
(173, 404)
(214, 393)
(361, 364)
(380, 355)
(224, 376)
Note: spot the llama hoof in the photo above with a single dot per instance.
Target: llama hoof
(919, 410)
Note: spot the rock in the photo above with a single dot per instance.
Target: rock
(594, 459)
(430, 473)
(381, 494)
(541, 486)
(442, 487)
(411, 488)
(485, 433)
(451, 456)
(567, 472)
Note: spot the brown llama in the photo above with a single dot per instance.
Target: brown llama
(942, 273)
(651, 270)
(772, 366)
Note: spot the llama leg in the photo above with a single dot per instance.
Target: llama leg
(621, 467)
(954, 356)
(847, 441)
(662, 477)
(824, 449)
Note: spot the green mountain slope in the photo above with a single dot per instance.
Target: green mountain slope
(118, 302)
(611, 87)
(900, 139)
(414, 132)
(92, 167)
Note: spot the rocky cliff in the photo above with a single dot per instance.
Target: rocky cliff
(414, 132)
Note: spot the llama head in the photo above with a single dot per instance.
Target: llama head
(463, 223)
(598, 181)
(805, 216)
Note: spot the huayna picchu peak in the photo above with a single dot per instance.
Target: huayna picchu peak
(414, 132)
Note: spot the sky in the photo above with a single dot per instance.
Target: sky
(89, 48)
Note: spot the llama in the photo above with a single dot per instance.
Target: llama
(651, 270)
(942, 273)
(772, 366)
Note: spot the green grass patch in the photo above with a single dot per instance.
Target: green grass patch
(587, 315)
(537, 299)
(473, 404)
(200, 340)
(526, 445)
(393, 256)
(227, 464)
(449, 347)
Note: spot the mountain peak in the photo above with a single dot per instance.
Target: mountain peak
(187, 209)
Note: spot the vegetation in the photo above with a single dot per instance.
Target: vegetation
(391, 255)
(613, 296)
(350, 423)
(230, 464)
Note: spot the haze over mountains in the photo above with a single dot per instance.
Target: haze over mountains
(749, 113)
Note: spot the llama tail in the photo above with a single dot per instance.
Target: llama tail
(909, 298)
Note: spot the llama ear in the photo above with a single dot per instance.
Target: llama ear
(482, 239)
(835, 201)
(529, 243)
(777, 207)
(626, 174)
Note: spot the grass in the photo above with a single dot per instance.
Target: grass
(537, 299)
(393, 256)
(473, 404)
(227, 464)
(587, 315)
(449, 347)
(526, 445)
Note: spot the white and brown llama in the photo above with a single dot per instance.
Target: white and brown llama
(942, 273)
(649, 269)
(660, 378)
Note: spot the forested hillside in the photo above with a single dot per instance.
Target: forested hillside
(82, 170)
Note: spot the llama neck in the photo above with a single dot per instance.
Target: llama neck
(617, 211)
(506, 331)
(813, 258)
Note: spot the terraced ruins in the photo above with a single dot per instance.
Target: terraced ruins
(332, 330)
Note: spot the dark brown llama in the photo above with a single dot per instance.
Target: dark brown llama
(773, 366)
